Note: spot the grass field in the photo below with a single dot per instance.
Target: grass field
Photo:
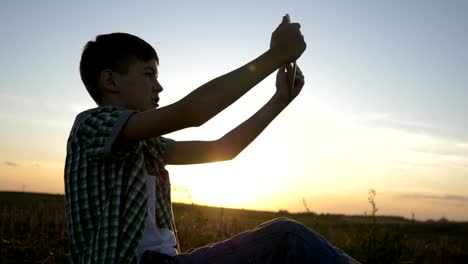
(33, 230)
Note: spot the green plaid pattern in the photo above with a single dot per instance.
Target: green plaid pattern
(105, 191)
(163, 186)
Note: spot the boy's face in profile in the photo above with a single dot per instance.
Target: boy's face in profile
(139, 88)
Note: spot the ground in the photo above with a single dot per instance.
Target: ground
(33, 230)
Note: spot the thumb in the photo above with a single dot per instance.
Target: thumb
(282, 70)
(284, 21)
(281, 76)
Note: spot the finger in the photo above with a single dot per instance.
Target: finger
(289, 68)
(285, 20)
(296, 26)
(299, 75)
(299, 72)
(283, 69)
(282, 72)
(282, 76)
(299, 81)
(290, 71)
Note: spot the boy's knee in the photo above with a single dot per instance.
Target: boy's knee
(284, 225)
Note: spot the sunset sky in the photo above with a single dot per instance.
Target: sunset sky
(384, 105)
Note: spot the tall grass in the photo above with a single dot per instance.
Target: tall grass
(33, 230)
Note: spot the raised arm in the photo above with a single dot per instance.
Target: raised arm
(231, 144)
(287, 44)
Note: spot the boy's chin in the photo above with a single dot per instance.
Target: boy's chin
(151, 107)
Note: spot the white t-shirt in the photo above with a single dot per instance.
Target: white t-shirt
(158, 239)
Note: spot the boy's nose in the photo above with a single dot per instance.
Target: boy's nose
(158, 88)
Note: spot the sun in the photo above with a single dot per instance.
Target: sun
(239, 183)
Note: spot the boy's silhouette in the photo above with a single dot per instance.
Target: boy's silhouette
(117, 188)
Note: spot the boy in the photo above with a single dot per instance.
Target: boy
(117, 189)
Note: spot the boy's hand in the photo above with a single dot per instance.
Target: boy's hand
(283, 84)
(287, 41)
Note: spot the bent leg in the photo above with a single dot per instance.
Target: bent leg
(277, 241)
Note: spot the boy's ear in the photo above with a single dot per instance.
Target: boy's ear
(107, 81)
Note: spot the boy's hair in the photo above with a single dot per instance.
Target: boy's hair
(113, 51)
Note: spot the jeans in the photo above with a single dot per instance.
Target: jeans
(277, 241)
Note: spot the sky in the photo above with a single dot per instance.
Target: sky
(383, 106)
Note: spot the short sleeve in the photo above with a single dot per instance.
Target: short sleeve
(99, 129)
(159, 146)
(165, 144)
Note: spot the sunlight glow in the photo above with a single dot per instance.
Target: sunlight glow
(334, 163)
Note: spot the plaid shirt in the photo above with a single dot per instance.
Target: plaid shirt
(106, 192)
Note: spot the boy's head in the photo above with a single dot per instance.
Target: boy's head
(121, 69)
